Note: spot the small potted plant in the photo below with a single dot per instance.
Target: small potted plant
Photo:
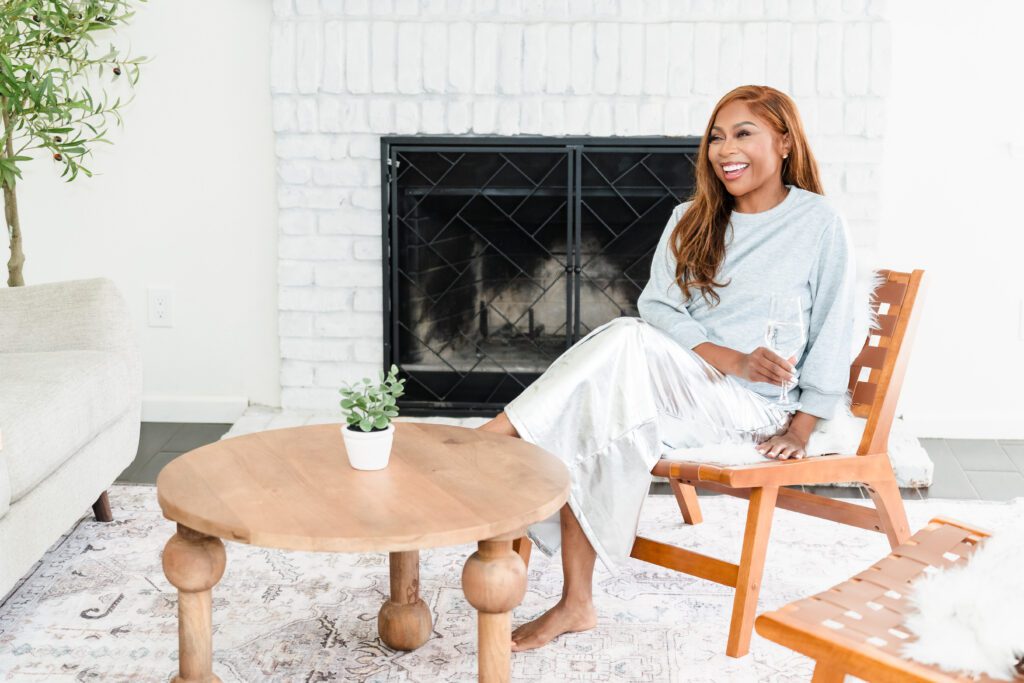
(368, 410)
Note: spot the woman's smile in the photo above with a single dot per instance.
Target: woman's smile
(734, 171)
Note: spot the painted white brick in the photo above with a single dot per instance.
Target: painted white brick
(805, 49)
(433, 7)
(348, 274)
(334, 375)
(342, 114)
(435, 57)
(408, 8)
(860, 207)
(631, 59)
(755, 42)
(294, 273)
(283, 115)
(383, 55)
(606, 66)
(855, 118)
(460, 7)
(606, 8)
(829, 10)
(706, 41)
(856, 58)
(297, 172)
(878, 9)
(347, 324)
(776, 9)
(802, 10)
(283, 8)
(863, 178)
(681, 63)
(531, 115)
(314, 248)
(556, 9)
(459, 117)
(656, 49)
(310, 39)
(830, 116)
(601, 118)
(339, 147)
(511, 8)
(410, 58)
(553, 118)
(368, 299)
(349, 221)
(850, 150)
(625, 118)
(345, 173)
(534, 59)
(730, 57)
(485, 114)
(367, 249)
(306, 114)
(369, 351)
(364, 147)
(881, 57)
(508, 117)
(650, 10)
(750, 10)
(295, 398)
(533, 8)
(651, 118)
(381, 116)
(296, 373)
(830, 59)
(302, 146)
(311, 299)
(296, 221)
(357, 7)
(366, 198)
(577, 115)
(332, 8)
(357, 56)
(315, 349)
(700, 113)
(432, 121)
(808, 108)
(510, 60)
(777, 53)
(485, 76)
(874, 124)
(294, 324)
(282, 57)
(407, 117)
(558, 59)
(578, 8)
(334, 57)
(460, 56)
(289, 196)
(677, 120)
(582, 58)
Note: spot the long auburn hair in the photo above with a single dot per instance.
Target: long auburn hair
(698, 240)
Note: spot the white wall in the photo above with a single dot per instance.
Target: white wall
(953, 180)
(185, 200)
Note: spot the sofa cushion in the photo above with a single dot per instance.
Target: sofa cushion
(51, 404)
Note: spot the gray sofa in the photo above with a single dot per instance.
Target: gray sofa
(70, 409)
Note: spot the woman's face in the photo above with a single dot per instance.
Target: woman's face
(741, 140)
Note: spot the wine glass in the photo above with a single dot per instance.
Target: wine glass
(784, 333)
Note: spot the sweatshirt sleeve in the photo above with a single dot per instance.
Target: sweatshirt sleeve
(661, 302)
(824, 375)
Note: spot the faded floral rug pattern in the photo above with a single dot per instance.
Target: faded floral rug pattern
(99, 608)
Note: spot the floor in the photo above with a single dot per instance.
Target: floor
(964, 468)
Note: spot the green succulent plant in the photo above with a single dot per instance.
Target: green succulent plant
(371, 406)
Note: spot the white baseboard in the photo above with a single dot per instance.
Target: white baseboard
(996, 426)
(214, 409)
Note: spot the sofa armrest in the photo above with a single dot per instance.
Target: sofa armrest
(73, 315)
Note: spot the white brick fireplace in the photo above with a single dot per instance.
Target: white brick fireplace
(344, 73)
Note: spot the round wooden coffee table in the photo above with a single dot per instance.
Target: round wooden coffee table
(293, 489)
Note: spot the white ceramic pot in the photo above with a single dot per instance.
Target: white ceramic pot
(368, 450)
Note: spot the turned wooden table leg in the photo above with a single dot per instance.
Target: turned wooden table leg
(494, 581)
(404, 621)
(193, 563)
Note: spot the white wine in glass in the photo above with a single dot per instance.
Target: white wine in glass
(784, 333)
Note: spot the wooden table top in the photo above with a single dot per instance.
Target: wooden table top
(294, 489)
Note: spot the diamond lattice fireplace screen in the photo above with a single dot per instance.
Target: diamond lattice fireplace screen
(502, 252)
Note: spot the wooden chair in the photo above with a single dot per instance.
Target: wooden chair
(875, 379)
(857, 627)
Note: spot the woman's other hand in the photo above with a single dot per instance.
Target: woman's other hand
(783, 446)
(764, 365)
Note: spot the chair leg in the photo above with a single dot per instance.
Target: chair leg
(522, 547)
(101, 509)
(751, 568)
(891, 513)
(686, 496)
(825, 672)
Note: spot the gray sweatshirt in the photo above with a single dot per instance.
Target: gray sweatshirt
(799, 247)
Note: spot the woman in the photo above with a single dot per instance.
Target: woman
(692, 371)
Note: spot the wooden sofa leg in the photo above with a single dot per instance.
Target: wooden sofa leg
(751, 569)
(891, 513)
(686, 496)
(827, 673)
(101, 508)
(522, 547)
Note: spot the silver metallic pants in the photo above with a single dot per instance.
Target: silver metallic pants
(611, 405)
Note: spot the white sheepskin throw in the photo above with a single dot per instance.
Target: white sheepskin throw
(840, 434)
(970, 617)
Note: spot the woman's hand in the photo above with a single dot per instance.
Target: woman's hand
(783, 446)
(764, 365)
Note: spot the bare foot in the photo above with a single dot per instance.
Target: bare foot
(562, 618)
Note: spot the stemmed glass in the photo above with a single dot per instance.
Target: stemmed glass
(784, 333)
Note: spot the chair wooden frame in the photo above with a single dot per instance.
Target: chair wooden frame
(876, 376)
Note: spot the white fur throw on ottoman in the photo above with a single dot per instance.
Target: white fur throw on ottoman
(842, 433)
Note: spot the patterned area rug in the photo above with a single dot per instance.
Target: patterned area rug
(99, 607)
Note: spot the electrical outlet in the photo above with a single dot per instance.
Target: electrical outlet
(160, 307)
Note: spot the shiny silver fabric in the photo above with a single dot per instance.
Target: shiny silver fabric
(611, 405)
